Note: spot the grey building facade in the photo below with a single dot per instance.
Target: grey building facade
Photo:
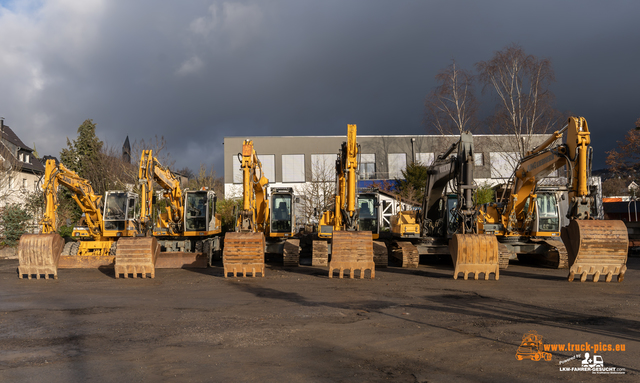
(292, 160)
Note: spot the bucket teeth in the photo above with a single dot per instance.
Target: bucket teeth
(38, 254)
(352, 250)
(243, 253)
(136, 255)
(475, 253)
(596, 248)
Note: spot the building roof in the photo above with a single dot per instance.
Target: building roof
(9, 135)
(34, 165)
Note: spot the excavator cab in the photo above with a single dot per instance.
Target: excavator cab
(120, 209)
(199, 210)
(547, 221)
(281, 220)
(368, 217)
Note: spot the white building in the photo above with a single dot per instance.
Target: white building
(20, 170)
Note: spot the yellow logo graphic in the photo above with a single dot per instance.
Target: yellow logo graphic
(531, 347)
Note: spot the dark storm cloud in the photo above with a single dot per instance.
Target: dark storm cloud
(197, 71)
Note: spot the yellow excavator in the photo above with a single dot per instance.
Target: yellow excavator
(44, 253)
(447, 222)
(526, 220)
(351, 247)
(186, 228)
(259, 227)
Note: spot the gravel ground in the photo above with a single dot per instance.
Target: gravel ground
(296, 324)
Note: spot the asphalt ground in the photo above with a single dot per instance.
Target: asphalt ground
(297, 325)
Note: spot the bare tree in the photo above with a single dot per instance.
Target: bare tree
(317, 195)
(207, 179)
(520, 83)
(451, 108)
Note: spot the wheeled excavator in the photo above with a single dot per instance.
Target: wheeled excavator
(260, 225)
(527, 221)
(447, 220)
(342, 228)
(186, 229)
(44, 253)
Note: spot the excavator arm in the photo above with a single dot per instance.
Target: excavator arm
(87, 200)
(449, 218)
(244, 249)
(39, 253)
(151, 169)
(254, 216)
(593, 247)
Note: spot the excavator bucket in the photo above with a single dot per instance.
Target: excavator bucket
(475, 253)
(243, 252)
(136, 255)
(38, 254)
(352, 250)
(596, 248)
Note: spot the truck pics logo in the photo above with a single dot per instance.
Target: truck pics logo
(531, 348)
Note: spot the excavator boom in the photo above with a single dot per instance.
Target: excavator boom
(44, 253)
(589, 247)
(448, 219)
(244, 249)
(352, 249)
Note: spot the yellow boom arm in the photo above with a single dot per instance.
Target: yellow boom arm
(151, 169)
(255, 205)
(58, 174)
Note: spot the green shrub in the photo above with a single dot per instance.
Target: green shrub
(13, 223)
(65, 231)
(485, 194)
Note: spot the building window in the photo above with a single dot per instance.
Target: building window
(268, 162)
(424, 159)
(20, 157)
(35, 185)
(503, 164)
(26, 158)
(237, 170)
(293, 168)
(478, 159)
(367, 166)
(323, 167)
(24, 183)
(397, 163)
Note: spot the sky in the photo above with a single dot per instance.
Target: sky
(196, 71)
